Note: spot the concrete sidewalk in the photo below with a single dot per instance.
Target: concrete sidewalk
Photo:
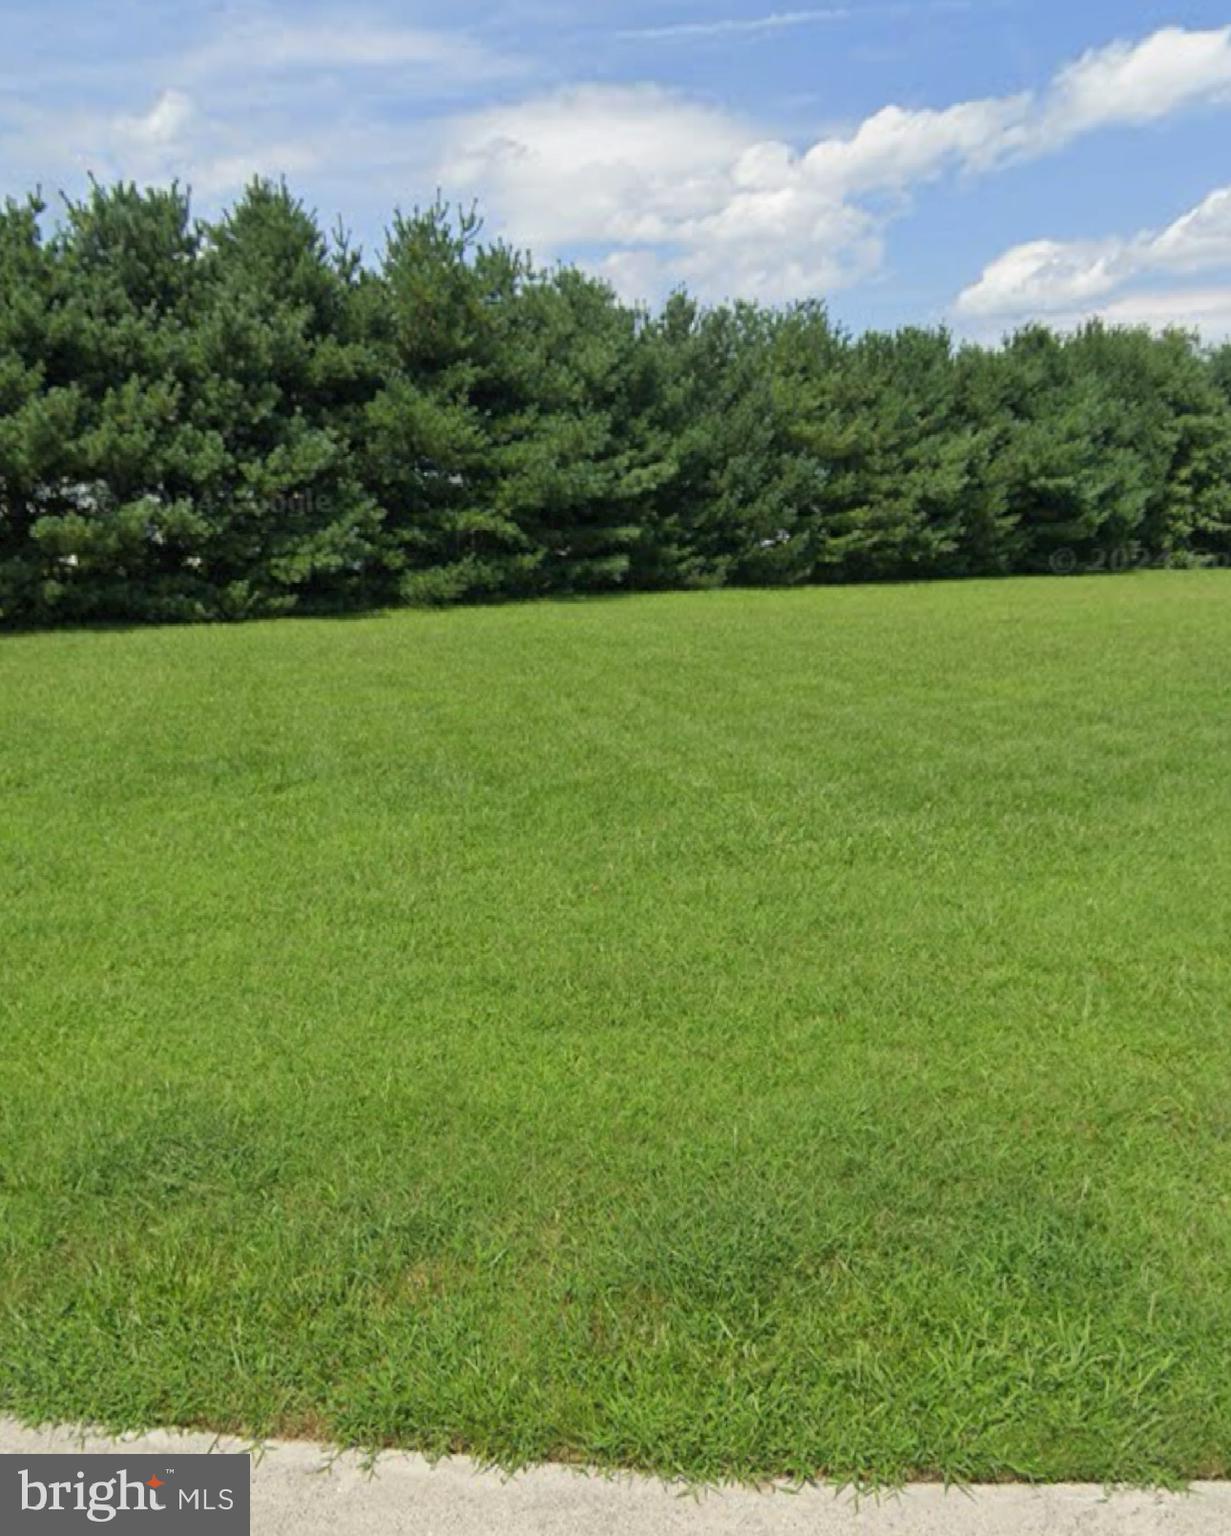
(293, 1495)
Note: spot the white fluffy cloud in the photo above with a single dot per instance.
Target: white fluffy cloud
(896, 149)
(667, 189)
(1198, 241)
(1049, 277)
(682, 191)
(1137, 83)
(628, 164)
(1047, 274)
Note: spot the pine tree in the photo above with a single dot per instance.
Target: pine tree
(283, 369)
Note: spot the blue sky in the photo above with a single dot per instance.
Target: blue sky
(977, 162)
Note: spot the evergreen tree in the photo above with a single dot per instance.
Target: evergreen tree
(566, 395)
(736, 497)
(100, 331)
(1070, 464)
(428, 451)
(284, 367)
(899, 456)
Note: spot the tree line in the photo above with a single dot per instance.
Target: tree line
(222, 419)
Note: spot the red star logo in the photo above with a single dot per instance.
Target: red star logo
(154, 1482)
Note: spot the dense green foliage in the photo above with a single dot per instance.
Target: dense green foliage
(723, 1032)
(219, 419)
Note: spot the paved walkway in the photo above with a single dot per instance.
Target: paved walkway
(293, 1496)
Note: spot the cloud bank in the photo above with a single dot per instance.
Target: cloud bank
(1049, 276)
(1117, 278)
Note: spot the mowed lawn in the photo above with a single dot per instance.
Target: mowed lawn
(730, 1034)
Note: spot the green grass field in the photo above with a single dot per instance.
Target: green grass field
(730, 1034)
